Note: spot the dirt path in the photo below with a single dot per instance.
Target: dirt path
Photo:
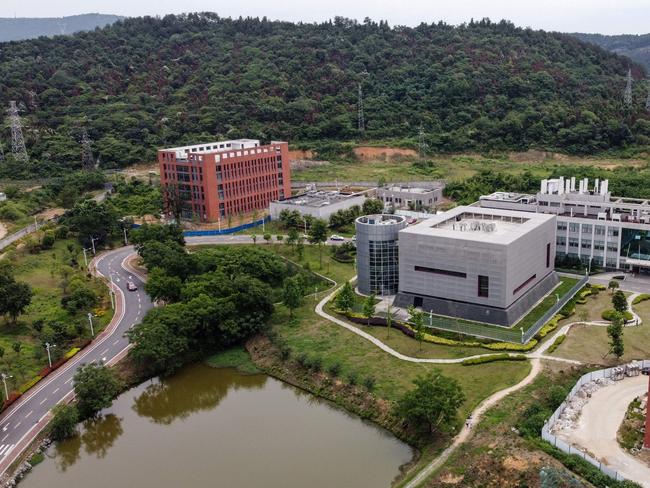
(599, 421)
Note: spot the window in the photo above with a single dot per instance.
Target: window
(447, 272)
(520, 287)
(483, 286)
(561, 226)
(573, 227)
(548, 254)
(586, 228)
(600, 230)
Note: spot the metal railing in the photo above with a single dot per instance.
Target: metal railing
(565, 446)
(501, 333)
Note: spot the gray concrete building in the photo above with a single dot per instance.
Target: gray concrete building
(377, 253)
(317, 203)
(592, 225)
(411, 197)
(488, 265)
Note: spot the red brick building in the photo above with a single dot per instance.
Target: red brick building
(209, 182)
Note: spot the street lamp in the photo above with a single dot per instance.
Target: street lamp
(84, 249)
(111, 293)
(49, 346)
(90, 320)
(4, 381)
(92, 241)
(522, 334)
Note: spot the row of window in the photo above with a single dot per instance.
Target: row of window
(241, 169)
(587, 228)
(383, 267)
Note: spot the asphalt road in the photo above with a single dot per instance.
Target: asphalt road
(28, 416)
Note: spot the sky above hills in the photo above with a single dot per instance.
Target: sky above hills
(599, 16)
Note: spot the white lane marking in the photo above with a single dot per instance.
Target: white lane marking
(11, 448)
(54, 392)
(67, 381)
(4, 429)
(30, 412)
(115, 343)
(3, 447)
(103, 352)
(4, 438)
(16, 426)
(43, 401)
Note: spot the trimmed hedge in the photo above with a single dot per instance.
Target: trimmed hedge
(609, 315)
(556, 343)
(511, 346)
(492, 358)
(641, 298)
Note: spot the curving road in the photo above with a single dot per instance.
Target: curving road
(22, 422)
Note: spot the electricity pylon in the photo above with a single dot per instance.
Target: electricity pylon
(18, 149)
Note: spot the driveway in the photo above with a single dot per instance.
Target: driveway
(596, 429)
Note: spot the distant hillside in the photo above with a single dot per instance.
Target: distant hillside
(143, 83)
(27, 28)
(636, 47)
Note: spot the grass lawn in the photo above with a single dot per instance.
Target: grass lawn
(536, 313)
(449, 167)
(317, 337)
(590, 343)
(45, 272)
(236, 358)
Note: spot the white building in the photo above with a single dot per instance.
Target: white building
(592, 225)
(317, 203)
(487, 265)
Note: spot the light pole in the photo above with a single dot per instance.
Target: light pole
(92, 241)
(126, 241)
(90, 321)
(522, 334)
(111, 294)
(49, 346)
(4, 381)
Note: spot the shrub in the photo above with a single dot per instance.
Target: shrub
(556, 343)
(641, 298)
(511, 346)
(334, 369)
(492, 358)
(61, 232)
(64, 422)
(609, 315)
(550, 326)
(29, 384)
(369, 383)
(48, 240)
(285, 352)
(353, 378)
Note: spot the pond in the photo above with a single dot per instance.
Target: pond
(217, 427)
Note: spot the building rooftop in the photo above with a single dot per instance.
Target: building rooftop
(214, 147)
(409, 189)
(381, 219)
(480, 224)
(317, 199)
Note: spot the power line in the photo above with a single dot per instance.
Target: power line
(422, 144)
(87, 161)
(18, 149)
(627, 94)
(360, 119)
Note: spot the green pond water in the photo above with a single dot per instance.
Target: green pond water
(219, 428)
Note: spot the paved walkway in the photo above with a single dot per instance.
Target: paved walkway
(599, 421)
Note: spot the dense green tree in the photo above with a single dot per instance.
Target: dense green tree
(344, 299)
(160, 286)
(615, 333)
(369, 306)
(434, 402)
(95, 387)
(64, 422)
(619, 302)
(318, 235)
(372, 206)
(15, 296)
(156, 232)
(292, 293)
(613, 285)
(464, 85)
(416, 317)
(91, 220)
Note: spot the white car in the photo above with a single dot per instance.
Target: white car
(334, 237)
(131, 286)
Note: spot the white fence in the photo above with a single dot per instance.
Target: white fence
(564, 446)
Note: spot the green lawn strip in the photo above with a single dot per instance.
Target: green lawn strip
(315, 336)
(236, 358)
(42, 272)
(590, 344)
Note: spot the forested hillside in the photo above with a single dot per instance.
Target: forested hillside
(636, 47)
(16, 29)
(144, 83)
